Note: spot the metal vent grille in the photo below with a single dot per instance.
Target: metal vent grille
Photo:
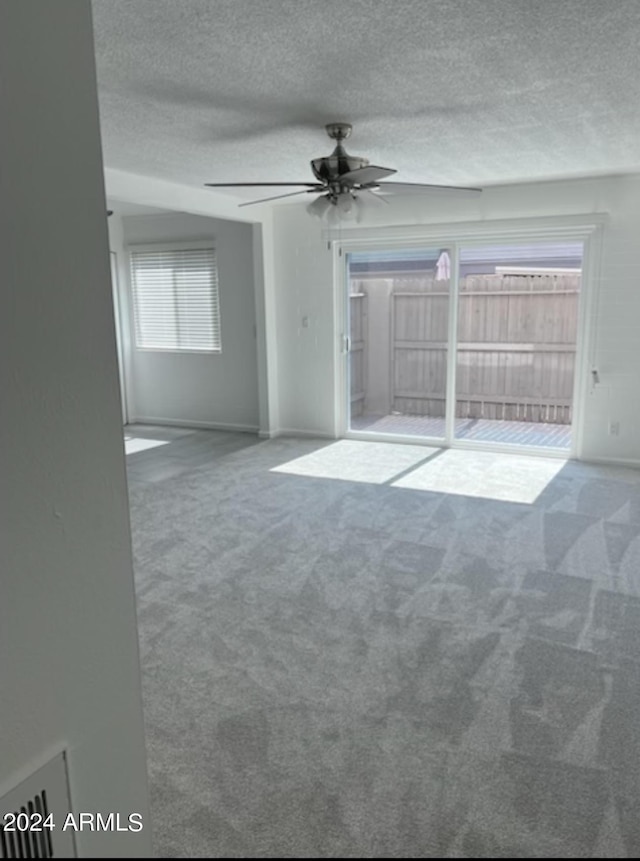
(28, 843)
(33, 814)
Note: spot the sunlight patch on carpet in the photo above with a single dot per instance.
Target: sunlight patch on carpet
(505, 477)
(353, 460)
(134, 444)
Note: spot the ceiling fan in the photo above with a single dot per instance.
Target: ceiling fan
(340, 179)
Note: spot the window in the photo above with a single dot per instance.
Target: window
(175, 298)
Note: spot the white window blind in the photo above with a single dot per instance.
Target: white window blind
(175, 299)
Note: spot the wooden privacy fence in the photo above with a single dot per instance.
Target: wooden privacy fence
(515, 352)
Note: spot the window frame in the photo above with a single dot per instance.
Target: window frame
(171, 246)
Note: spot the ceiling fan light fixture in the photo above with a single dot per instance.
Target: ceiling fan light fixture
(333, 217)
(344, 202)
(336, 207)
(350, 206)
(320, 206)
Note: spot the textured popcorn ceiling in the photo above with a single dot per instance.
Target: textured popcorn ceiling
(445, 91)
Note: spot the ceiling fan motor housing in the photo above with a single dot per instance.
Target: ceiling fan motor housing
(330, 168)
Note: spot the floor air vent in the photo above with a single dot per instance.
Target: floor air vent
(32, 815)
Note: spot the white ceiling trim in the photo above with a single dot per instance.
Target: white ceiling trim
(149, 191)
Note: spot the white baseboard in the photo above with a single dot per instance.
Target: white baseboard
(196, 425)
(304, 433)
(633, 463)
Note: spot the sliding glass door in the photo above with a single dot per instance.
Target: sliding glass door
(485, 354)
(399, 304)
(516, 343)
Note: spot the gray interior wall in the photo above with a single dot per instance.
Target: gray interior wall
(69, 668)
(202, 389)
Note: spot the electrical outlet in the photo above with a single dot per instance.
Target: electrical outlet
(614, 428)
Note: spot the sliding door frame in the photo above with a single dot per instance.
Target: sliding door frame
(579, 228)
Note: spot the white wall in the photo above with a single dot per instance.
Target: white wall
(304, 277)
(267, 334)
(69, 669)
(218, 390)
(120, 298)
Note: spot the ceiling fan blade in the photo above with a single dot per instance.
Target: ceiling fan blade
(370, 173)
(277, 197)
(259, 184)
(422, 186)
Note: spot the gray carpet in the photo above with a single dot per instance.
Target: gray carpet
(340, 668)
